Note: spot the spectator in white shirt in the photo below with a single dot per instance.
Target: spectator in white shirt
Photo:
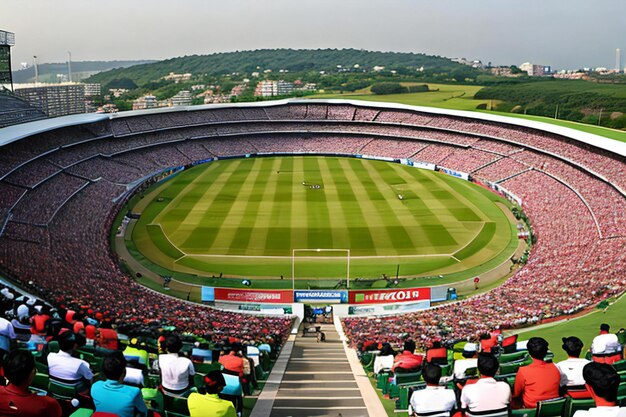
(434, 400)
(487, 394)
(606, 347)
(176, 371)
(602, 381)
(470, 353)
(571, 369)
(65, 368)
(7, 336)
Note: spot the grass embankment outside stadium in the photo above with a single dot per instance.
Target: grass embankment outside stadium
(249, 213)
(585, 327)
(461, 97)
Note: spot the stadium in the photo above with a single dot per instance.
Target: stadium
(71, 186)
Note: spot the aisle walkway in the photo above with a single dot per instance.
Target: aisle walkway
(318, 380)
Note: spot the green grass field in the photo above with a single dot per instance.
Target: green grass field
(244, 217)
(461, 97)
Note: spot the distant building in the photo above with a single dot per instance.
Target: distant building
(54, 99)
(117, 92)
(92, 89)
(470, 63)
(502, 71)
(177, 77)
(145, 102)
(182, 98)
(7, 40)
(534, 70)
(270, 88)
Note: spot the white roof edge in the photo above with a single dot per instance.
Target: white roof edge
(13, 133)
(16, 132)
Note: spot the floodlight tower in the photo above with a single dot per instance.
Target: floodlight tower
(618, 60)
(69, 66)
(36, 69)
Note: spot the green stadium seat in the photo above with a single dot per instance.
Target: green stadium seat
(620, 365)
(61, 390)
(205, 368)
(551, 408)
(524, 412)
(621, 394)
(408, 379)
(507, 369)
(381, 380)
(402, 403)
(53, 346)
(489, 413)
(82, 412)
(41, 367)
(446, 370)
(41, 381)
(175, 406)
(513, 357)
(574, 405)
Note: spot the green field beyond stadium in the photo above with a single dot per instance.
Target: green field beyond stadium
(245, 217)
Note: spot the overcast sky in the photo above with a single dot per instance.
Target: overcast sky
(561, 33)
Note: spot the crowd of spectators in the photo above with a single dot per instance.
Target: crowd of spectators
(569, 269)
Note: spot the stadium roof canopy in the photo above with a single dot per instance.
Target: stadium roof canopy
(16, 132)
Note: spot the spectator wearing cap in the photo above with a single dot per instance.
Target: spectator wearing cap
(571, 369)
(605, 347)
(210, 404)
(177, 371)
(434, 400)
(407, 361)
(602, 381)
(470, 353)
(112, 396)
(538, 381)
(65, 368)
(21, 323)
(486, 394)
(16, 399)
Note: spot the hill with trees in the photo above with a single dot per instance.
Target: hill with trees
(575, 100)
(80, 70)
(272, 62)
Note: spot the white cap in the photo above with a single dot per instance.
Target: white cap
(22, 311)
(31, 301)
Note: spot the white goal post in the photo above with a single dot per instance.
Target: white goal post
(317, 250)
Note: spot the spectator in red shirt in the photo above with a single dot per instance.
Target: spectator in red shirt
(233, 362)
(538, 381)
(407, 361)
(107, 337)
(16, 399)
(39, 322)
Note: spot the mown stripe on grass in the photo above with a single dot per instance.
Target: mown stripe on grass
(242, 216)
(202, 224)
(184, 194)
(337, 218)
(278, 240)
(162, 242)
(252, 187)
(320, 235)
(481, 241)
(407, 233)
(298, 206)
